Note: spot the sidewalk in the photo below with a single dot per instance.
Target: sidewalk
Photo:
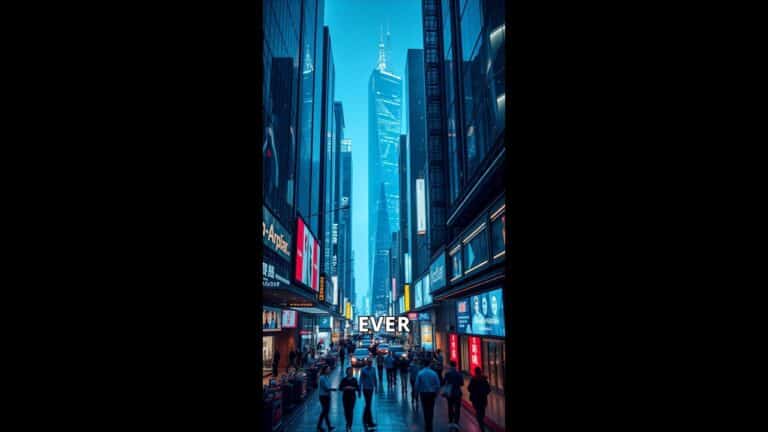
(391, 411)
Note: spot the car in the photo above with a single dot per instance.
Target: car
(383, 349)
(358, 358)
(399, 353)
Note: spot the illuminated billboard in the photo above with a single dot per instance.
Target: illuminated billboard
(486, 314)
(307, 270)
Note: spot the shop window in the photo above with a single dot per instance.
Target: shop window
(493, 363)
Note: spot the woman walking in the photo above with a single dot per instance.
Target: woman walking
(351, 389)
(325, 390)
(478, 395)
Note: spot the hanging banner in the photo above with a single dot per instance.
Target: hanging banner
(453, 347)
(475, 354)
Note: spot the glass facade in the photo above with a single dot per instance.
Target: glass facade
(280, 91)
(330, 189)
(474, 57)
(384, 116)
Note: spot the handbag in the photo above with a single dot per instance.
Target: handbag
(446, 390)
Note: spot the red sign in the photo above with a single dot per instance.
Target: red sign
(475, 354)
(413, 316)
(453, 347)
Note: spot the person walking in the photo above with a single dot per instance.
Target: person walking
(351, 391)
(413, 371)
(478, 395)
(324, 392)
(292, 358)
(342, 354)
(439, 364)
(389, 363)
(427, 384)
(454, 380)
(368, 384)
(380, 366)
(402, 365)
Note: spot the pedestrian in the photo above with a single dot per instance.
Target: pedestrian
(275, 363)
(380, 366)
(427, 384)
(413, 371)
(351, 389)
(342, 353)
(478, 395)
(454, 380)
(389, 363)
(402, 365)
(368, 384)
(325, 390)
(292, 357)
(439, 365)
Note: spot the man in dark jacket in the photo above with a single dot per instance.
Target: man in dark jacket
(478, 395)
(455, 380)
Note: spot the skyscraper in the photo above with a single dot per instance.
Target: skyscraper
(384, 109)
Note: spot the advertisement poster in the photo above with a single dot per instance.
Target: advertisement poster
(324, 322)
(271, 319)
(307, 256)
(289, 318)
(462, 315)
(486, 314)
(426, 337)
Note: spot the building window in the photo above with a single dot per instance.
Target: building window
(498, 236)
(475, 247)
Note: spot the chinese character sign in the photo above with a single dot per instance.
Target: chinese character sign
(453, 347)
(475, 354)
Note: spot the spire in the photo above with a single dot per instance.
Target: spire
(382, 63)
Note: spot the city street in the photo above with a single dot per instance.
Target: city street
(391, 412)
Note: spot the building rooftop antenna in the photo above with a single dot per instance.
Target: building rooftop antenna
(382, 63)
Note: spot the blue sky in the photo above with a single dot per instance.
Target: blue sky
(354, 26)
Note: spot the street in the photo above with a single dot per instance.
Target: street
(391, 412)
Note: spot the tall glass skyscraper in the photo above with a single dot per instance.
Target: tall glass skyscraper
(384, 111)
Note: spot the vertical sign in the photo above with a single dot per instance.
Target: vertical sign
(335, 295)
(475, 354)
(348, 313)
(394, 295)
(421, 209)
(453, 347)
(407, 298)
(321, 294)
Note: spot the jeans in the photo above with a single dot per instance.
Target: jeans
(325, 402)
(454, 409)
(367, 416)
(428, 404)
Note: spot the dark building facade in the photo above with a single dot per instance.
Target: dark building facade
(300, 176)
(464, 44)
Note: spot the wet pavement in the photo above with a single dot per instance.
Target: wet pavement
(392, 412)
